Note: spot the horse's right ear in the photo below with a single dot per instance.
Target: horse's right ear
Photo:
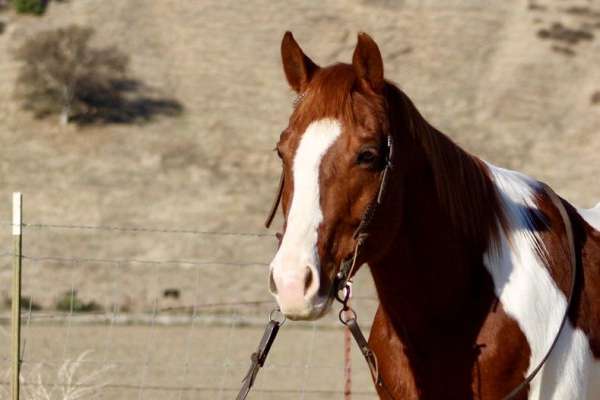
(368, 64)
(299, 69)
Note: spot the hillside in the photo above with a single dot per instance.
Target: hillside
(481, 73)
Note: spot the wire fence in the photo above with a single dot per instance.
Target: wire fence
(186, 339)
(139, 229)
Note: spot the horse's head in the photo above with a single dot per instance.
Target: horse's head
(333, 153)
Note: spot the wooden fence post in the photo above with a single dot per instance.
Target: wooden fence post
(16, 296)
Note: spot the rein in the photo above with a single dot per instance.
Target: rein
(258, 358)
(343, 284)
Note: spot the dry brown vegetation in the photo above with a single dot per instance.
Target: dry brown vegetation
(61, 74)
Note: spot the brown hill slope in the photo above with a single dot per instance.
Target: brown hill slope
(480, 73)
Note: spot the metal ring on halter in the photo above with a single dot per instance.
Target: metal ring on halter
(277, 316)
(346, 292)
(346, 320)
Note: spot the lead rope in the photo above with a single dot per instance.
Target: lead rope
(348, 317)
(258, 358)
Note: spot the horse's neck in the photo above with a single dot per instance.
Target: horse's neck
(427, 275)
(430, 276)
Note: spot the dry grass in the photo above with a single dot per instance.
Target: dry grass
(68, 382)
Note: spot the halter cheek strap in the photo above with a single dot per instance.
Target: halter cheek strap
(361, 233)
(276, 202)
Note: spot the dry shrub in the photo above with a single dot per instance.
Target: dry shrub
(62, 74)
(560, 33)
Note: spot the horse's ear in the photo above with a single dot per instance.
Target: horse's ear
(368, 64)
(299, 69)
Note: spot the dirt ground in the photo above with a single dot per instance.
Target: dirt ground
(515, 82)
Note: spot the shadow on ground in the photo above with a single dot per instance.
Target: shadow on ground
(125, 101)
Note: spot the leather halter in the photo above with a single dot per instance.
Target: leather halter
(348, 266)
(276, 202)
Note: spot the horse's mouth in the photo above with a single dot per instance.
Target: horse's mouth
(317, 311)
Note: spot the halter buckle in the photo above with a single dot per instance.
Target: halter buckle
(344, 294)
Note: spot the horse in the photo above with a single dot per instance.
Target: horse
(476, 267)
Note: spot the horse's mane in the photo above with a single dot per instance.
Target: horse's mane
(462, 181)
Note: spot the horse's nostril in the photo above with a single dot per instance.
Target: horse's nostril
(308, 279)
(272, 285)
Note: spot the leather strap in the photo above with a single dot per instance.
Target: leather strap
(276, 202)
(259, 357)
(361, 233)
(366, 351)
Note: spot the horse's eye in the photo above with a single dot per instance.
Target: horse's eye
(367, 157)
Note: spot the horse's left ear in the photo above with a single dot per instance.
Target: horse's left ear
(368, 64)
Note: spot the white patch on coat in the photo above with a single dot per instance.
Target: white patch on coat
(591, 216)
(530, 296)
(299, 245)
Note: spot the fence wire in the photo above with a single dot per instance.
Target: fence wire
(139, 261)
(324, 392)
(204, 353)
(138, 229)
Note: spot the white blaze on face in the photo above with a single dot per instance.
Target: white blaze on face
(295, 268)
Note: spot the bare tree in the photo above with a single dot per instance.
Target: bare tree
(62, 74)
